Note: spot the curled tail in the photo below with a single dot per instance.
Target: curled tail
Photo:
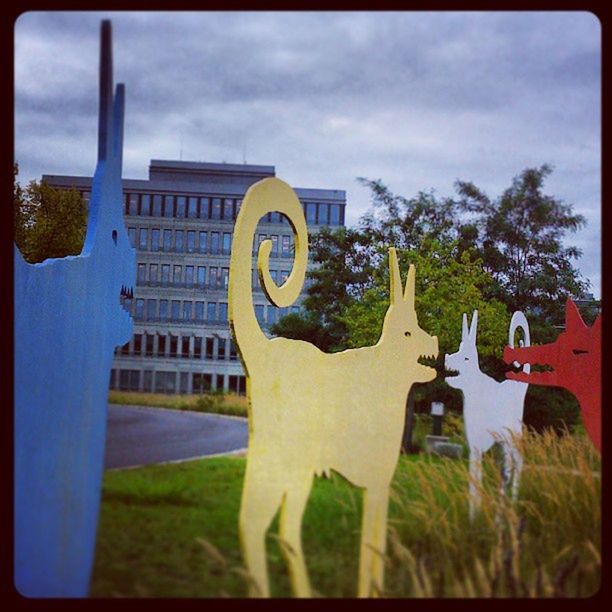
(520, 320)
(267, 195)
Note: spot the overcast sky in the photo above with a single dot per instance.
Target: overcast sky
(417, 99)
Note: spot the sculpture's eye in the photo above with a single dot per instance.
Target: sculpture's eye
(115, 237)
(466, 359)
(407, 334)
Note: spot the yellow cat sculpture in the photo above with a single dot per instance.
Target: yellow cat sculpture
(311, 412)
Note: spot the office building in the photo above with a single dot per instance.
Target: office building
(181, 221)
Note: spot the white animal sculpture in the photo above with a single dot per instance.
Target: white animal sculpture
(492, 410)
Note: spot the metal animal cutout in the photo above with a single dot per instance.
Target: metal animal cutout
(312, 412)
(68, 320)
(492, 410)
(576, 361)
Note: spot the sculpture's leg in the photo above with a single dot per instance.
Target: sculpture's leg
(373, 542)
(260, 501)
(291, 533)
(475, 479)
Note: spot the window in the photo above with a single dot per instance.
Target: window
(284, 275)
(167, 240)
(209, 347)
(127, 304)
(157, 206)
(203, 241)
(151, 310)
(149, 345)
(275, 217)
(161, 343)
(142, 238)
(221, 348)
(215, 212)
(201, 276)
(141, 275)
(272, 314)
(124, 380)
(145, 205)
(238, 206)
(169, 206)
(147, 381)
(311, 212)
(222, 312)
(132, 236)
(259, 312)
(177, 274)
(181, 207)
(125, 349)
(185, 347)
(137, 344)
(232, 384)
(165, 382)
(202, 383)
(155, 239)
(173, 345)
(227, 243)
(184, 378)
(197, 347)
(211, 312)
(113, 379)
(163, 310)
(133, 204)
(139, 309)
(274, 245)
(179, 247)
(165, 274)
(189, 275)
(176, 310)
(242, 385)
(212, 277)
(334, 214)
(323, 219)
(228, 209)
(191, 241)
(274, 275)
(286, 246)
(255, 279)
(199, 311)
(204, 206)
(192, 208)
(153, 274)
(187, 308)
(233, 353)
(214, 242)
(224, 277)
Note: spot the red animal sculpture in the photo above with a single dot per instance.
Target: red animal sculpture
(575, 358)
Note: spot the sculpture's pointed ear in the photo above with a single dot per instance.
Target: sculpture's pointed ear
(118, 113)
(105, 112)
(464, 328)
(395, 281)
(410, 283)
(474, 327)
(573, 320)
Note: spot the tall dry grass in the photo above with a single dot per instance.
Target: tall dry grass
(547, 544)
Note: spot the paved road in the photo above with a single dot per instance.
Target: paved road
(137, 435)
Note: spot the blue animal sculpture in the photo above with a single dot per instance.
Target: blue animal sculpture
(68, 321)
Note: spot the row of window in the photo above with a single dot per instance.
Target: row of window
(184, 311)
(190, 241)
(213, 277)
(218, 209)
(166, 382)
(180, 347)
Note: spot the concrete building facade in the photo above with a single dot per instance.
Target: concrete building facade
(180, 221)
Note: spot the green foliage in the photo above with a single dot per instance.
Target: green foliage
(48, 222)
(520, 239)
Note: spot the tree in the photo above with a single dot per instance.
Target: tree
(519, 236)
(48, 222)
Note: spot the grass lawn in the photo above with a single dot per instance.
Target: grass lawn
(171, 530)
